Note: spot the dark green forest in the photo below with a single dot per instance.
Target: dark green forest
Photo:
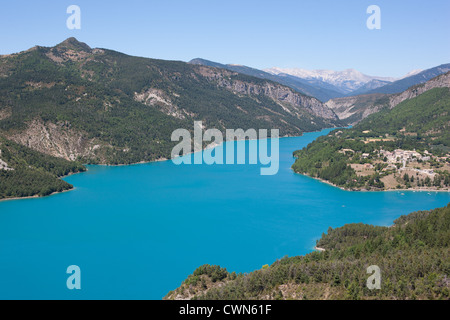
(413, 256)
(34, 174)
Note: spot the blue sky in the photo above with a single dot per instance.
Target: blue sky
(319, 34)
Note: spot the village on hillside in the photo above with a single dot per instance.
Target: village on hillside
(405, 169)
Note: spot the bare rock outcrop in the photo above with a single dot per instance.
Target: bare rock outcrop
(291, 101)
(284, 95)
(441, 81)
(57, 140)
(158, 98)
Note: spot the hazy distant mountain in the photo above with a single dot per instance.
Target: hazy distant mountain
(411, 73)
(371, 85)
(319, 90)
(414, 79)
(353, 109)
(345, 81)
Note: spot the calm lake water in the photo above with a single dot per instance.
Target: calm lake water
(137, 231)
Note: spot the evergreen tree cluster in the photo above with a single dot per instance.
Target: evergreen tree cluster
(34, 173)
(413, 256)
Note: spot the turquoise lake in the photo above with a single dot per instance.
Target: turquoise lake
(137, 231)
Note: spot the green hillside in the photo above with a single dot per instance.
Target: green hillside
(358, 158)
(129, 106)
(413, 257)
(100, 106)
(426, 118)
(32, 173)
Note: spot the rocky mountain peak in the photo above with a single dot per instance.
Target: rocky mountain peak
(73, 44)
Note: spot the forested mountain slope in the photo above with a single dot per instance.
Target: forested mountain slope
(413, 257)
(404, 147)
(353, 109)
(25, 172)
(92, 106)
(102, 106)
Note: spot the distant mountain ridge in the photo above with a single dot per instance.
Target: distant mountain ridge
(355, 108)
(346, 81)
(407, 82)
(322, 92)
(371, 85)
(351, 82)
(329, 84)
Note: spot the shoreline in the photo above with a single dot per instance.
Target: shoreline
(139, 163)
(212, 147)
(208, 147)
(129, 164)
(51, 194)
(360, 190)
(37, 196)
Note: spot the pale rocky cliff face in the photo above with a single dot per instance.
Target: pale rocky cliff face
(158, 98)
(291, 100)
(354, 109)
(286, 96)
(56, 140)
(438, 82)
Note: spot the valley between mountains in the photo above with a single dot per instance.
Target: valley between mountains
(71, 104)
(68, 105)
